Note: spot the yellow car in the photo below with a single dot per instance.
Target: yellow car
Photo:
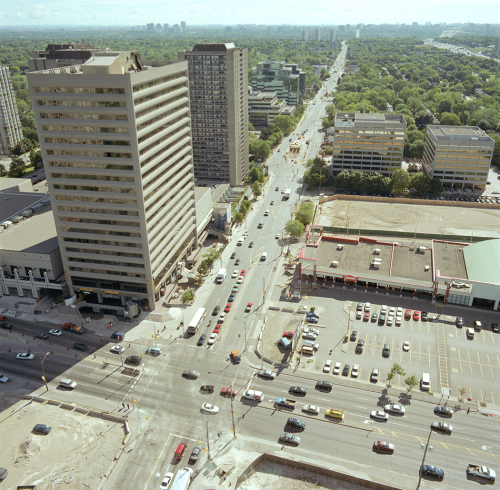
(335, 414)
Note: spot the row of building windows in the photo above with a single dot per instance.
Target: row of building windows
(82, 103)
(162, 116)
(106, 243)
(167, 163)
(79, 90)
(89, 153)
(84, 188)
(93, 165)
(154, 144)
(86, 141)
(69, 229)
(182, 137)
(106, 272)
(102, 200)
(70, 127)
(161, 128)
(159, 93)
(154, 83)
(85, 282)
(114, 253)
(132, 224)
(111, 117)
(160, 105)
(99, 177)
(106, 262)
(94, 210)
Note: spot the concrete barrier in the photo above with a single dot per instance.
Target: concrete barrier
(84, 411)
(276, 308)
(53, 402)
(287, 310)
(68, 407)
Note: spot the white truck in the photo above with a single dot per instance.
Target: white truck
(221, 275)
(287, 194)
(182, 479)
(481, 471)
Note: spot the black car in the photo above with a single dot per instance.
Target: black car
(432, 471)
(188, 374)
(215, 311)
(494, 327)
(133, 360)
(297, 390)
(354, 335)
(79, 346)
(237, 262)
(272, 202)
(194, 455)
(231, 298)
(233, 255)
(324, 385)
(42, 336)
(277, 188)
(250, 245)
(441, 427)
(42, 429)
(443, 411)
(360, 346)
(295, 423)
(7, 326)
(345, 371)
(207, 388)
(37, 312)
(201, 340)
(459, 322)
(425, 316)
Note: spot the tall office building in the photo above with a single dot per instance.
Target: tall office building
(218, 91)
(331, 35)
(459, 156)
(305, 35)
(183, 26)
(165, 27)
(66, 54)
(280, 78)
(368, 142)
(115, 138)
(10, 125)
(317, 35)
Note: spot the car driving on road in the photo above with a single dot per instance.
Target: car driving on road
(297, 390)
(396, 409)
(441, 427)
(24, 356)
(379, 415)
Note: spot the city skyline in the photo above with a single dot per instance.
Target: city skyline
(194, 13)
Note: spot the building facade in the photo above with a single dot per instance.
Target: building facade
(317, 35)
(368, 142)
(218, 88)
(276, 77)
(305, 35)
(263, 107)
(10, 124)
(458, 156)
(115, 138)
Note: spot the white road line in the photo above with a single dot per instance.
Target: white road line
(464, 438)
(359, 398)
(357, 406)
(324, 399)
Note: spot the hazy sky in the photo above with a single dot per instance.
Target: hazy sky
(277, 12)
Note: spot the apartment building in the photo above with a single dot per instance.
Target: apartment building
(115, 138)
(317, 35)
(263, 107)
(218, 91)
(459, 156)
(10, 124)
(305, 35)
(276, 77)
(368, 142)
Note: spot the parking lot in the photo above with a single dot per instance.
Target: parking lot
(438, 347)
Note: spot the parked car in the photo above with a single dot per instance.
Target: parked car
(327, 366)
(194, 455)
(345, 371)
(337, 368)
(354, 335)
(190, 374)
(386, 351)
(207, 388)
(374, 375)
(459, 322)
(79, 346)
(209, 408)
(355, 371)
(167, 479)
(42, 429)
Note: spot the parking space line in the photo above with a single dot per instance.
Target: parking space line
(419, 353)
(470, 362)
(482, 400)
(480, 367)
(492, 399)
(489, 364)
(459, 360)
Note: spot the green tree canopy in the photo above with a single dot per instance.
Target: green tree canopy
(284, 123)
(17, 167)
(400, 181)
(257, 191)
(305, 213)
(449, 119)
(295, 228)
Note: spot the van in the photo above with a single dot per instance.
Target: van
(307, 350)
(240, 242)
(261, 224)
(285, 343)
(425, 382)
(67, 383)
(477, 326)
(256, 396)
(263, 256)
(470, 333)
(311, 343)
(3, 473)
(179, 452)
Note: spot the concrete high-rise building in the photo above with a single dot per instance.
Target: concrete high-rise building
(116, 146)
(357, 33)
(459, 156)
(218, 91)
(165, 27)
(305, 35)
(158, 27)
(277, 77)
(59, 55)
(150, 26)
(10, 125)
(177, 28)
(331, 35)
(368, 142)
(317, 35)
(183, 26)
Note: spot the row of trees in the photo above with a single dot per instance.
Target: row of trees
(303, 217)
(18, 168)
(396, 369)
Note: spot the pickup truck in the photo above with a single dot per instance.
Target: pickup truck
(481, 471)
(266, 374)
(73, 328)
(285, 402)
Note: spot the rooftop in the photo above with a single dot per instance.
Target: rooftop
(483, 261)
(463, 133)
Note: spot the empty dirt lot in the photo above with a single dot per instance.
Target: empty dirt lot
(422, 218)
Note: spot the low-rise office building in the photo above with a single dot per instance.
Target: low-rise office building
(458, 156)
(368, 142)
(263, 107)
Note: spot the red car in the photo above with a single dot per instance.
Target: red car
(408, 314)
(288, 335)
(216, 329)
(228, 307)
(249, 307)
(366, 316)
(383, 446)
(415, 316)
(243, 272)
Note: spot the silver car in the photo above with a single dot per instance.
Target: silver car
(289, 438)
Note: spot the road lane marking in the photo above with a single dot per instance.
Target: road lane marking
(157, 461)
(364, 408)
(359, 398)
(489, 364)
(464, 438)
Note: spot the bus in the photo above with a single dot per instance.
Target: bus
(196, 321)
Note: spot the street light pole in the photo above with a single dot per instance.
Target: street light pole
(232, 411)
(423, 459)
(43, 372)
(208, 442)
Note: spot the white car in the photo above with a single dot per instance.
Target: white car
(392, 311)
(235, 274)
(167, 479)
(390, 319)
(398, 409)
(208, 407)
(3, 379)
(212, 339)
(25, 356)
(377, 414)
(337, 368)
(406, 345)
(54, 331)
(277, 236)
(221, 318)
(358, 314)
(355, 371)
(311, 330)
(383, 310)
(368, 306)
(311, 409)
(327, 366)
(240, 280)
(399, 311)
(399, 320)
(117, 349)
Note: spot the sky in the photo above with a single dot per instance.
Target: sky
(231, 12)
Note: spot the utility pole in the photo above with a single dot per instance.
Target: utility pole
(208, 442)
(423, 459)
(232, 412)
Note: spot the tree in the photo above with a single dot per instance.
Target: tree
(420, 182)
(496, 151)
(462, 391)
(17, 167)
(411, 381)
(305, 213)
(257, 191)
(28, 121)
(435, 186)
(328, 150)
(343, 180)
(211, 255)
(397, 369)
(36, 160)
(22, 147)
(390, 377)
(238, 217)
(256, 174)
(449, 119)
(295, 228)
(400, 181)
(285, 123)
(250, 126)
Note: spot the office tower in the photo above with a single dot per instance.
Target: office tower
(115, 138)
(305, 35)
(276, 77)
(263, 107)
(10, 125)
(183, 26)
(357, 33)
(368, 142)
(459, 156)
(302, 78)
(317, 35)
(59, 55)
(218, 91)
(331, 37)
